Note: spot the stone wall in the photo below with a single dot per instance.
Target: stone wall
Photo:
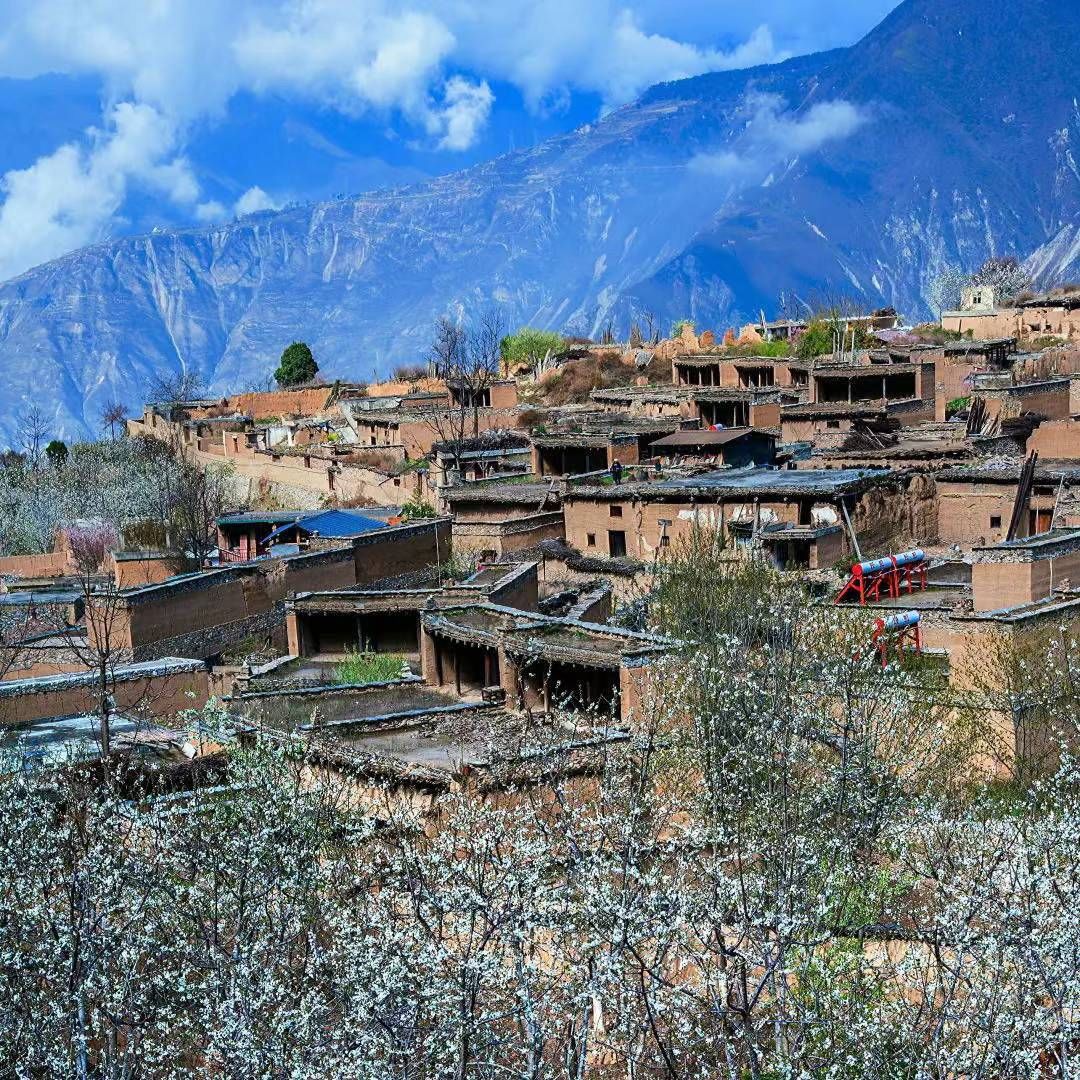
(52, 564)
(510, 536)
(1009, 576)
(1058, 440)
(159, 690)
(401, 550)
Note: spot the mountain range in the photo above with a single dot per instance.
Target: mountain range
(943, 137)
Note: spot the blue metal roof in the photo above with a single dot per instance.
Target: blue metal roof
(341, 523)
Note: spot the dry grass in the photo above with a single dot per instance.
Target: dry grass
(378, 460)
(574, 382)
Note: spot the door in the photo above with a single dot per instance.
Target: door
(616, 543)
(1039, 521)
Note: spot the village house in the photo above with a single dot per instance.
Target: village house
(798, 515)
(538, 662)
(572, 453)
(496, 519)
(324, 627)
(728, 447)
(880, 377)
(741, 372)
(490, 455)
(202, 614)
(157, 689)
(724, 406)
(1055, 314)
(258, 534)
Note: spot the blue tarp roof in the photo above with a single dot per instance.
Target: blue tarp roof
(331, 523)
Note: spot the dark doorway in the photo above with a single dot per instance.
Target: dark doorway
(616, 543)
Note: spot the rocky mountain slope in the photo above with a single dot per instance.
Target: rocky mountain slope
(945, 135)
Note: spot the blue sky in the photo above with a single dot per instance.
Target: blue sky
(119, 116)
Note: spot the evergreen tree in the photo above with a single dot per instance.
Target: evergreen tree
(297, 365)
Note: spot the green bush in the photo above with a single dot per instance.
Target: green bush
(57, 453)
(297, 365)
(368, 667)
(418, 508)
(529, 346)
(770, 348)
(816, 340)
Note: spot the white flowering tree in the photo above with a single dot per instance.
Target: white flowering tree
(788, 870)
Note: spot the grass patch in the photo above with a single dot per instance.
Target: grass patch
(367, 667)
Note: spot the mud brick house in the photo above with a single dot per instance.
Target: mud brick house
(1055, 314)
(574, 453)
(976, 501)
(502, 394)
(976, 611)
(492, 454)
(538, 662)
(642, 518)
(882, 378)
(328, 625)
(829, 424)
(789, 329)
(501, 519)
(1049, 398)
(727, 406)
(413, 433)
(744, 372)
(596, 421)
(200, 615)
(499, 500)
(159, 688)
(1056, 440)
(406, 743)
(991, 354)
(1018, 572)
(732, 447)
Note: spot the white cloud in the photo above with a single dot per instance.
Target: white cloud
(210, 212)
(464, 112)
(772, 135)
(254, 200)
(68, 198)
(169, 64)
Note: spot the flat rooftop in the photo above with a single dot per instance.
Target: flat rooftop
(746, 481)
(317, 709)
(66, 740)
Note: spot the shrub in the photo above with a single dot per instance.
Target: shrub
(529, 346)
(57, 453)
(932, 334)
(379, 460)
(410, 372)
(297, 365)
(815, 340)
(574, 381)
(418, 509)
(532, 419)
(769, 348)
